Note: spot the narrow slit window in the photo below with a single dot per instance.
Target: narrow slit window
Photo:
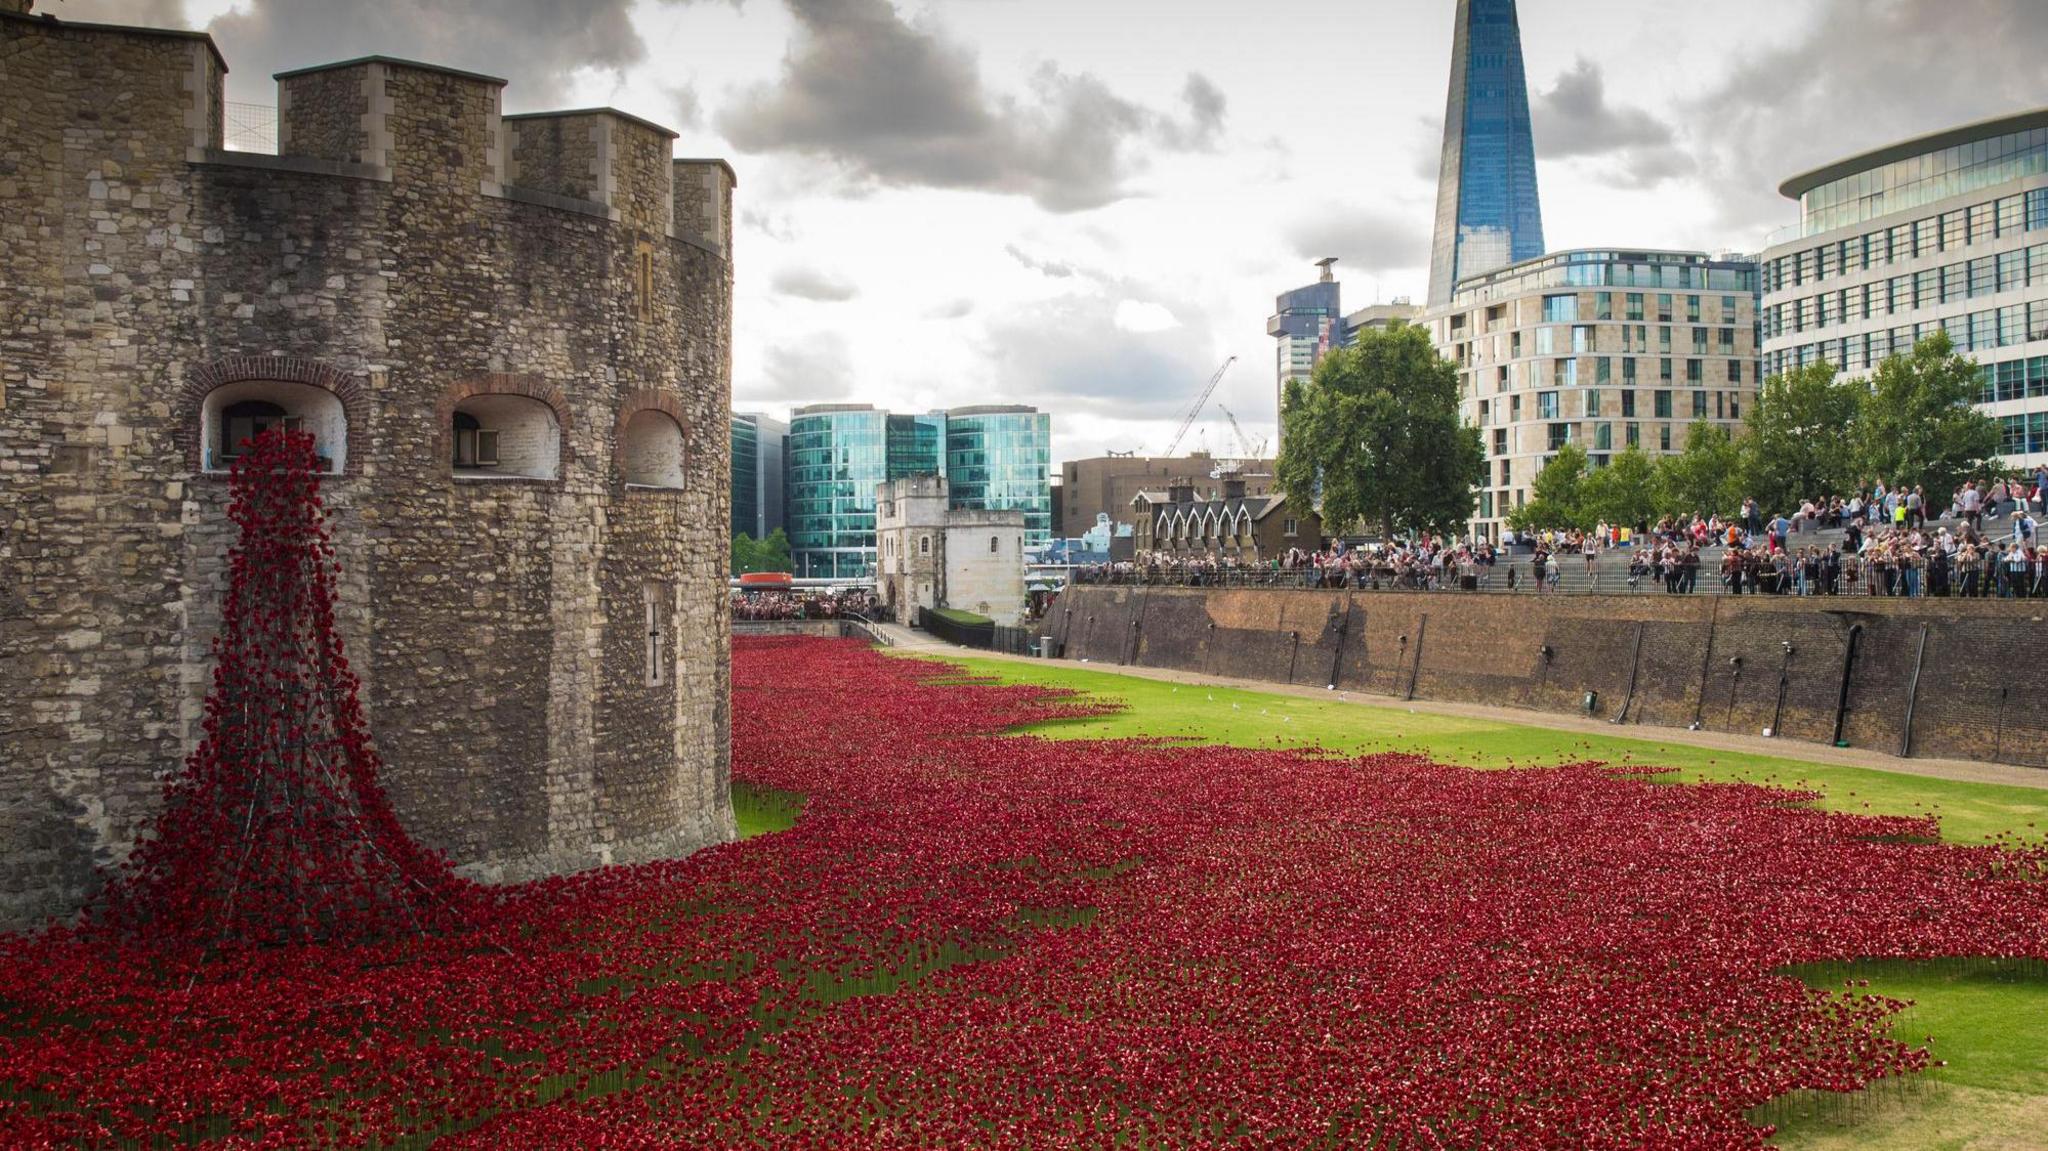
(643, 283)
(651, 601)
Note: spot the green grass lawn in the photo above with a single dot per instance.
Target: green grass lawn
(1989, 1022)
(761, 810)
(1969, 812)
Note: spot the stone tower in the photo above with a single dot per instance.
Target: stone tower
(511, 337)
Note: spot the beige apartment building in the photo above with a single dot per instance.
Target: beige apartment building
(1600, 348)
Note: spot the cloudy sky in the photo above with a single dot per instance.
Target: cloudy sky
(1088, 204)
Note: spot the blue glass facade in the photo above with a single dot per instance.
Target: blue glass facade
(838, 455)
(995, 457)
(1000, 459)
(758, 443)
(1918, 180)
(917, 446)
(1488, 214)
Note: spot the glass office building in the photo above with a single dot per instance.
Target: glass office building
(1487, 213)
(838, 455)
(1000, 459)
(758, 443)
(1306, 323)
(917, 446)
(1942, 233)
(996, 458)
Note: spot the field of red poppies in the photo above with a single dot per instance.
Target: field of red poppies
(980, 940)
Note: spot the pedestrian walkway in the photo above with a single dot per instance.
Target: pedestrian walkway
(1958, 770)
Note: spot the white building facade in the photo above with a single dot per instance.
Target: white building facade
(1943, 233)
(931, 555)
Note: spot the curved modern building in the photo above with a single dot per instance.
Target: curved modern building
(996, 459)
(1604, 349)
(999, 458)
(837, 456)
(1942, 233)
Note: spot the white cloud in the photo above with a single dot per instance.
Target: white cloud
(1139, 316)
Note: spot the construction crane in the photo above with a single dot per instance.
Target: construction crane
(1252, 451)
(1201, 401)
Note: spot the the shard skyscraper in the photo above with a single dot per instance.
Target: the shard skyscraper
(1487, 215)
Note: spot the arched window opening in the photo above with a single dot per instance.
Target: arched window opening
(505, 436)
(234, 414)
(924, 545)
(651, 450)
(994, 542)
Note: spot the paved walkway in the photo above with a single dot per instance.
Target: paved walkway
(1963, 770)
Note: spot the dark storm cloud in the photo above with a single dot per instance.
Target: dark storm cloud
(900, 103)
(1368, 240)
(143, 13)
(532, 44)
(1067, 354)
(812, 284)
(1866, 74)
(1207, 108)
(686, 110)
(1574, 119)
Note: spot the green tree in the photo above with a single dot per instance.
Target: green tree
(773, 553)
(765, 555)
(1919, 424)
(1623, 493)
(1798, 446)
(1705, 478)
(1557, 497)
(1374, 437)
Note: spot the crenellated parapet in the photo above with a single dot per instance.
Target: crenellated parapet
(511, 339)
(703, 207)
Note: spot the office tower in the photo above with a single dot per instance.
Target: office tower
(758, 443)
(1487, 214)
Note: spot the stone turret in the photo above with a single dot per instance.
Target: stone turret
(511, 340)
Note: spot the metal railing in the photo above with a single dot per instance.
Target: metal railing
(2000, 582)
(987, 636)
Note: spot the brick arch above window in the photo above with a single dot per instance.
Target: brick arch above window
(351, 388)
(643, 401)
(633, 472)
(503, 384)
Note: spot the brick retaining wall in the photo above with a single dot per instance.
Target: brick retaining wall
(1717, 661)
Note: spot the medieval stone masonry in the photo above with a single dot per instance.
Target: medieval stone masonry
(511, 337)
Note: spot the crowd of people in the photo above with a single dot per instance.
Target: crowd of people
(1894, 541)
(803, 604)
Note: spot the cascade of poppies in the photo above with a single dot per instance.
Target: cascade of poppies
(277, 830)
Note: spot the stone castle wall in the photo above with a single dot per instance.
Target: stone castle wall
(1938, 678)
(392, 259)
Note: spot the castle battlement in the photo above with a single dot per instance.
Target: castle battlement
(395, 120)
(510, 337)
